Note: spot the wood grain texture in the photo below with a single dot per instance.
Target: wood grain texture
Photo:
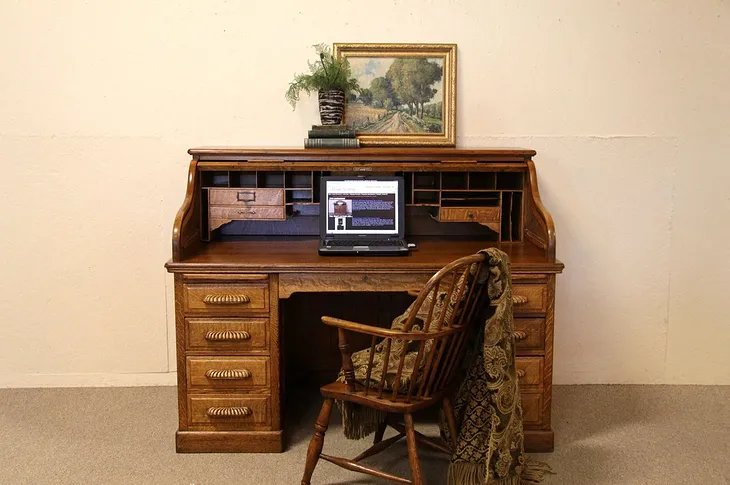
(202, 419)
(182, 402)
(243, 197)
(532, 414)
(330, 282)
(539, 441)
(540, 227)
(185, 229)
(243, 213)
(227, 335)
(548, 366)
(530, 335)
(229, 441)
(529, 299)
(299, 255)
(226, 298)
(275, 384)
(416, 476)
(317, 442)
(482, 215)
(531, 369)
(215, 372)
(363, 154)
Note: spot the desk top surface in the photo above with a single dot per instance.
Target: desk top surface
(300, 255)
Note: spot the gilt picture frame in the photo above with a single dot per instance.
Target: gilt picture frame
(408, 93)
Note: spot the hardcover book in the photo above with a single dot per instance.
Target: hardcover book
(334, 133)
(331, 143)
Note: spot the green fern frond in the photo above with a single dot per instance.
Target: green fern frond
(327, 72)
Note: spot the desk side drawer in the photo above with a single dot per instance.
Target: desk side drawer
(529, 298)
(229, 412)
(529, 372)
(243, 197)
(531, 408)
(226, 298)
(227, 334)
(530, 333)
(228, 373)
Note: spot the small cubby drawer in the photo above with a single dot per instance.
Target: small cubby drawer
(245, 197)
(225, 297)
(229, 411)
(252, 212)
(469, 214)
(228, 372)
(227, 334)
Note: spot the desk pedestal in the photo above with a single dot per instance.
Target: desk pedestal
(230, 351)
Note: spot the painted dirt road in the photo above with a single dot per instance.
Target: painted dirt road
(395, 122)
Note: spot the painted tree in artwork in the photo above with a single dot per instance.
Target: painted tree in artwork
(411, 79)
(382, 93)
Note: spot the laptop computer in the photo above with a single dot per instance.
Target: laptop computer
(362, 215)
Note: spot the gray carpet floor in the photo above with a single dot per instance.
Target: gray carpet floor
(605, 435)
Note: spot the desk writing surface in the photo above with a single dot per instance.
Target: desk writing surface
(296, 255)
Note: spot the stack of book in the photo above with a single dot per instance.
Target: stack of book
(331, 136)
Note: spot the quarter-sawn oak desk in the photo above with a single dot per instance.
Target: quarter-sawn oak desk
(246, 237)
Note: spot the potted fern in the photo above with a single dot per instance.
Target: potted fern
(332, 79)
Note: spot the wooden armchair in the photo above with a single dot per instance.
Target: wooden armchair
(435, 328)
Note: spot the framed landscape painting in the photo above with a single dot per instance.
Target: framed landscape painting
(407, 93)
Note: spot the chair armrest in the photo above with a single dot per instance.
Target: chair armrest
(382, 332)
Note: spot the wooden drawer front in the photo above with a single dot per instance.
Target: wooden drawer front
(227, 298)
(292, 282)
(242, 213)
(530, 333)
(229, 411)
(529, 298)
(529, 372)
(469, 214)
(228, 372)
(531, 408)
(232, 334)
(245, 197)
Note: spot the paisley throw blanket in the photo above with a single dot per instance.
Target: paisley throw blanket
(489, 446)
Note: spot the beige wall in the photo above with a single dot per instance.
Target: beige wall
(627, 104)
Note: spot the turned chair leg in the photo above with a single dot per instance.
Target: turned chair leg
(317, 442)
(450, 420)
(412, 453)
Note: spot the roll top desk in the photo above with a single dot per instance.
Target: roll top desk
(245, 240)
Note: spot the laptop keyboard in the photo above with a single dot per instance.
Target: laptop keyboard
(360, 242)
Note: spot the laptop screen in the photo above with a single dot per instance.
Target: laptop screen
(367, 206)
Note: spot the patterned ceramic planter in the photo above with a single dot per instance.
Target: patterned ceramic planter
(331, 106)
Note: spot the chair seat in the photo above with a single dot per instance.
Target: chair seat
(338, 391)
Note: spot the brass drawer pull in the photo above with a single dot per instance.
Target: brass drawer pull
(252, 211)
(520, 373)
(246, 196)
(227, 335)
(226, 299)
(519, 300)
(228, 412)
(228, 374)
(520, 334)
